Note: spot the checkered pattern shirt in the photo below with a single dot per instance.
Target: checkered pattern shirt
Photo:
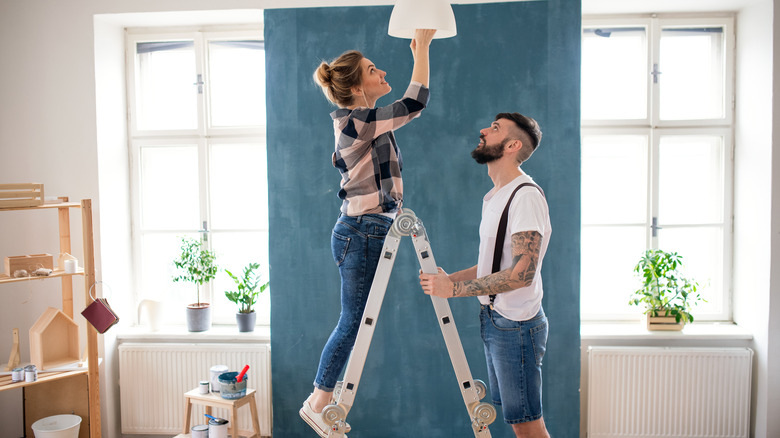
(367, 154)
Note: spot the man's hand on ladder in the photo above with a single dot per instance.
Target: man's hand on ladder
(437, 285)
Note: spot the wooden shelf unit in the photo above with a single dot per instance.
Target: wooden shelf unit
(4, 278)
(63, 207)
(43, 377)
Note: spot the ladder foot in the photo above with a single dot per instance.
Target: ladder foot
(483, 414)
(335, 416)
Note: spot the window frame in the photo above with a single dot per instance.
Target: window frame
(202, 137)
(729, 44)
(624, 22)
(655, 129)
(653, 25)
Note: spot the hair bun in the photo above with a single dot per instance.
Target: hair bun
(339, 76)
(324, 74)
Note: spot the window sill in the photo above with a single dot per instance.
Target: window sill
(592, 331)
(217, 333)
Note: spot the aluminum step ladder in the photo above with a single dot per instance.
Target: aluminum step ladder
(481, 414)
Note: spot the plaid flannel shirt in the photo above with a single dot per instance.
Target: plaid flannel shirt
(367, 154)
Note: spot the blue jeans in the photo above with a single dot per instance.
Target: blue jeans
(514, 352)
(356, 243)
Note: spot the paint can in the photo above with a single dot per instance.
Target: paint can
(200, 431)
(230, 388)
(218, 428)
(30, 373)
(203, 387)
(216, 370)
(17, 375)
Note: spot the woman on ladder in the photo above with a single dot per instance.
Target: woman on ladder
(369, 160)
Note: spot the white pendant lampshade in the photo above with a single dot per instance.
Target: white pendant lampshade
(409, 15)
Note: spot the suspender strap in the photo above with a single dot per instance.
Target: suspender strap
(501, 233)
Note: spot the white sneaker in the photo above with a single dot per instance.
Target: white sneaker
(314, 420)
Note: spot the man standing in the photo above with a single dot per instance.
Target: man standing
(507, 278)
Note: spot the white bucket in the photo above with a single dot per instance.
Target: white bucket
(57, 426)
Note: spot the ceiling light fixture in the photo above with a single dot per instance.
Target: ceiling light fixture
(409, 15)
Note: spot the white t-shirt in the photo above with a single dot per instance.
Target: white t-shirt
(528, 212)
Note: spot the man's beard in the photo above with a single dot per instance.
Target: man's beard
(487, 153)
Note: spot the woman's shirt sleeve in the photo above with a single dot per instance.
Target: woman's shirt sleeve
(359, 127)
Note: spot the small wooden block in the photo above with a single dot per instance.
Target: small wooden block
(21, 195)
(14, 359)
(28, 262)
(663, 323)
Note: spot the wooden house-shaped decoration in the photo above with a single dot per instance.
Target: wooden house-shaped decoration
(54, 340)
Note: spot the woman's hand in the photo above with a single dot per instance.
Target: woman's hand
(419, 45)
(422, 38)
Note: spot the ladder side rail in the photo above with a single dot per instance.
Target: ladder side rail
(481, 414)
(446, 322)
(368, 322)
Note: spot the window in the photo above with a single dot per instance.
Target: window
(657, 105)
(197, 144)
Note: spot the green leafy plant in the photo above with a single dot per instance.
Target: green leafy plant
(196, 264)
(249, 288)
(665, 291)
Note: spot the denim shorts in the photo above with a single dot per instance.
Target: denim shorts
(356, 243)
(514, 352)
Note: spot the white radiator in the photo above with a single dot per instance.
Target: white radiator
(669, 392)
(154, 377)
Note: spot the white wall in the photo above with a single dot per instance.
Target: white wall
(47, 135)
(756, 193)
(773, 347)
(113, 175)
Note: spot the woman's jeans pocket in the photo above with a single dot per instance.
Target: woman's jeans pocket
(339, 245)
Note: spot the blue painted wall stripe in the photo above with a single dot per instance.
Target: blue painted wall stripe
(518, 56)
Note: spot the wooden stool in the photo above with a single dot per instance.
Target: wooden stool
(212, 400)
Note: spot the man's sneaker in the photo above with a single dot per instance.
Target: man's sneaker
(315, 421)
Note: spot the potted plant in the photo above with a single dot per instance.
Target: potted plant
(249, 288)
(666, 294)
(197, 265)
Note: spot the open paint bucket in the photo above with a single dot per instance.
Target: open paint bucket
(231, 389)
(57, 426)
(218, 428)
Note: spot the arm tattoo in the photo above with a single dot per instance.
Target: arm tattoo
(526, 246)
